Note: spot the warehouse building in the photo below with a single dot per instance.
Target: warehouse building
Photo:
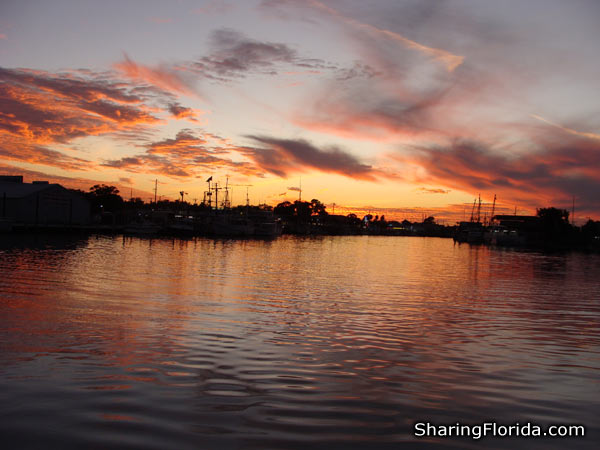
(40, 204)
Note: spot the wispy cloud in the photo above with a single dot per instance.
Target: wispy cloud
(164, 77)
(425, 190)
(284, 156)
(449, 60)
(567, 129)
(234, 55)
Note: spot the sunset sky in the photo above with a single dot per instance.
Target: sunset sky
(401, 107)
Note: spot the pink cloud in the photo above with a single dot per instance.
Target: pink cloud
(163, 77)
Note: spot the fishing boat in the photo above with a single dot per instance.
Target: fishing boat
(471, 232)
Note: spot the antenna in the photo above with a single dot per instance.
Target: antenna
(226, 202)
(216, 188)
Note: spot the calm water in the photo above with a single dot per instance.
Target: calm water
(334, 342)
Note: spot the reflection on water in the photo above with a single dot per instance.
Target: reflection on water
(335, 342)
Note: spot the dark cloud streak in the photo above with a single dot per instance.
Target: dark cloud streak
(234, 55)
(282, 156)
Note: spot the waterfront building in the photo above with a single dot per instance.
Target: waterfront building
(40, 204)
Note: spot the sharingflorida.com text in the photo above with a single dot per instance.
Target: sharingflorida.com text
(492, 429)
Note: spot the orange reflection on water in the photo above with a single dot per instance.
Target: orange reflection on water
(194, 331)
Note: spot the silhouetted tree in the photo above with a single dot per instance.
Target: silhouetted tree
(317, 208)
(105, 198)
(553, 215)
(554, 223)
(591, 231)
(300, 210)
(353, 220)
(284, 209)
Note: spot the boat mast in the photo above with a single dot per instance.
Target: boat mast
(493, 208)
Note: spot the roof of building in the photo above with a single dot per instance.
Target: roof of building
(20, 190)
(514, 217)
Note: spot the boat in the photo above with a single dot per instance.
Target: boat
(471, 232)
(226, 223)
(142, 225)
(182, 225)
(265, 223)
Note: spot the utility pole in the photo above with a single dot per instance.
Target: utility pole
(155, 189)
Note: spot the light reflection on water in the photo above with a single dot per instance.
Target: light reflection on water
(334, 342)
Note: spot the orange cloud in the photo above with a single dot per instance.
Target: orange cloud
(185, 156)
(40, 109)
(162, 77)
(182, 112)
